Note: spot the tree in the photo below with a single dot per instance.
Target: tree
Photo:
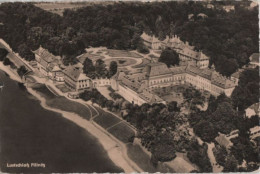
(231, 164)
(3, 53)
(25, 52)
(193, 97)
(100, 68)
(206, 131)
(21, 70)
(172, 106)
(88, 66)
(247, 91)
(141, 48)
(7, 61)
(169, 57)
(112, 68)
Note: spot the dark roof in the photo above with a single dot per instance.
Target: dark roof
(75, 73)
(157, 69)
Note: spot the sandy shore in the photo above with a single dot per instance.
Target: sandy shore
(10, 72)
(114, 148)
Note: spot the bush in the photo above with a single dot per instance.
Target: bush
(142, 49)
(220, 154)
(3, 54)
(7, 61)
(21, 71)
(198, 155)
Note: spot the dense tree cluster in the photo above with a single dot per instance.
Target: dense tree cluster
(222, 117)
(169, 57)
(198, 155)
(193, 98)
(224, 37)
(99, 70)
(219, 117)
(96, 97)
(3, 54)
(21, 70)
(247, 91)
(220, 154)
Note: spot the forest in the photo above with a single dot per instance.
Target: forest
(227, 38)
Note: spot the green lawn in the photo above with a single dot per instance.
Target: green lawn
(62, 103)
(144, 62)
(121, 61)
(106, 119)
(122, 53)
(44, 91)
(142, 159)
(63, 88)
(122, 132)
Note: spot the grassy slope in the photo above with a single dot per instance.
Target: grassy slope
(62, 103)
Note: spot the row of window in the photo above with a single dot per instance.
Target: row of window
(167, 80)
(81, 81)
(83, 86)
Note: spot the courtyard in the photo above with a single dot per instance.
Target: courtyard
(171, 93)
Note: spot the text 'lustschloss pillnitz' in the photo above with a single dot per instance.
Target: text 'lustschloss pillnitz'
(25, 165)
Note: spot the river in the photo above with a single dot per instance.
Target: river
(30, 134)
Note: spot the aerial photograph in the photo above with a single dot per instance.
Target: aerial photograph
(108, 86)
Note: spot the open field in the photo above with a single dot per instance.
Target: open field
(59, 7)
(122, 53)
(122, 132)
(106, 119)
(121, 61)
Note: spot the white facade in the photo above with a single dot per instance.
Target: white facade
(101, 82)
(130, 95)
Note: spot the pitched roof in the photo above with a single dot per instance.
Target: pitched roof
(210, 74)
(45, 58)
(44, 54)
(221, 81)
(75, 73)
(224, 141)
(156, 69)
(178, 69)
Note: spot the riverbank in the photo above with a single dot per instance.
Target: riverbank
(12, 74)
(31, 134)
(112, 148)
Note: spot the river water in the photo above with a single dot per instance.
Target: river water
(30, 134)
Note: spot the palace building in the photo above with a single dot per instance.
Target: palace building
(138, 87)
(48, 64)
(185, 51)
(75, 79)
